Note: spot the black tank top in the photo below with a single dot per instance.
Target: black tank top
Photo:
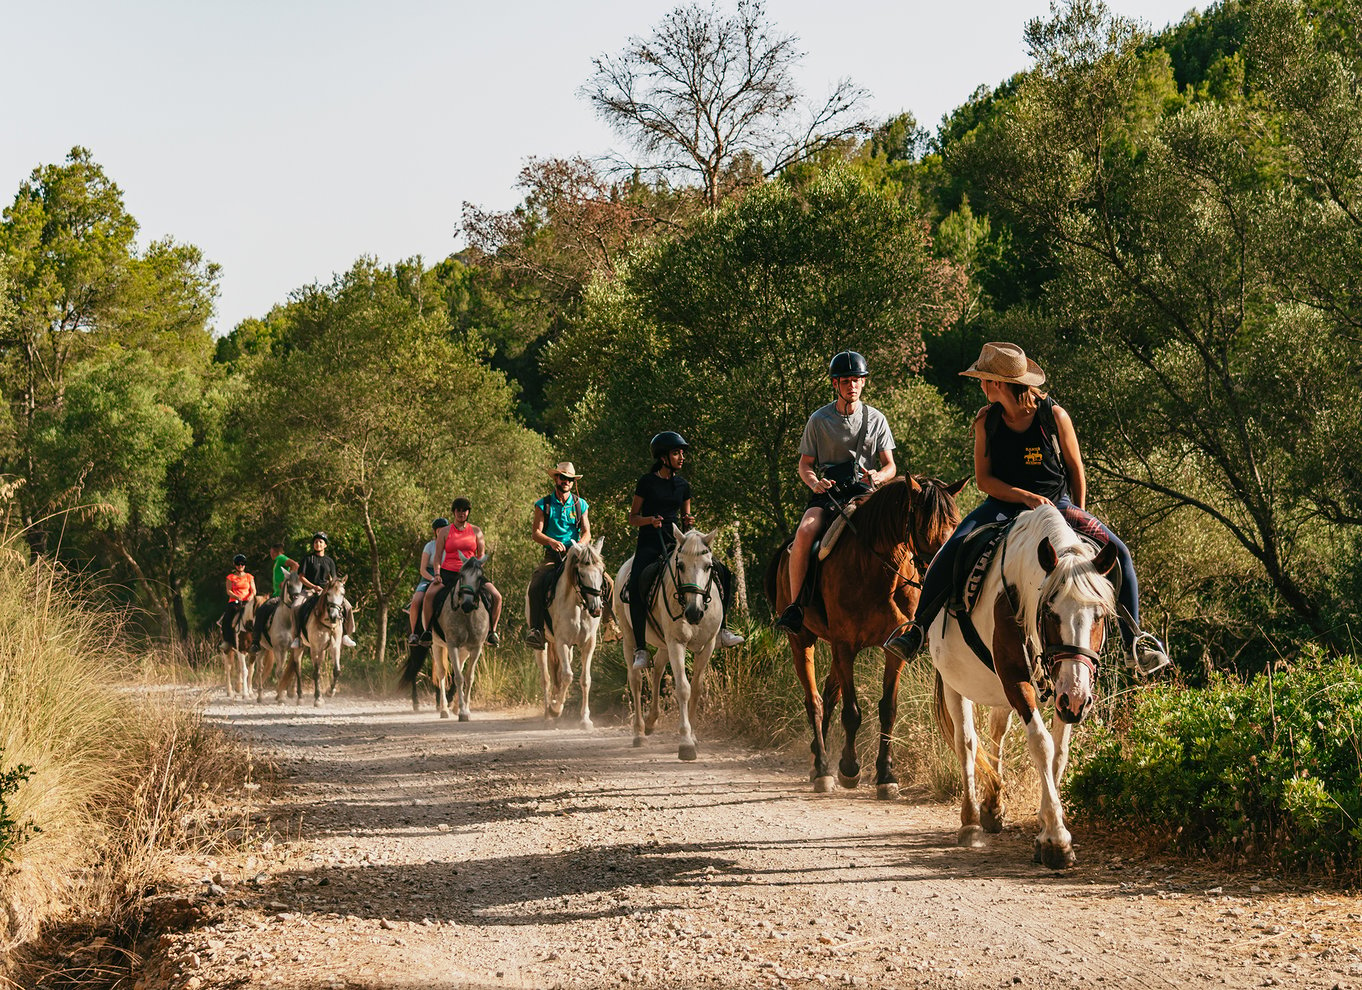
(1028, 460)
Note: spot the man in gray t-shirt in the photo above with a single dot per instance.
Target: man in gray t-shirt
(847, 450)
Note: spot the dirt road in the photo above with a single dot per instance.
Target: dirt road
(419, 853)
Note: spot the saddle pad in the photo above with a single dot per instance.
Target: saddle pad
(971, 563)
(834, 531)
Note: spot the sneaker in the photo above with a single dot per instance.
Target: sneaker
(1147, 655)
(641, 660)
(535, 637)
(906, 645)
(493, 639)
(728, 637)
(791, 620)
(349, 641)
(414, 639)
(294, 643)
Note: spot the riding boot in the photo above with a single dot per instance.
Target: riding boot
(906, 645)
(539, 590)
(792, 619)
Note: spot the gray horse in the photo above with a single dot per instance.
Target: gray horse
(458, 632)
(323, 634)
(274, 637)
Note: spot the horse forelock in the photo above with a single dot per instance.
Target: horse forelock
(583, 555)
(936, 516)
(1074, 580)
(693, 544)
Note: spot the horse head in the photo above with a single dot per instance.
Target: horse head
(1075, 600)
(931, 517)
(333, 599)
(292, 592)
(471, 580)
(586, 569)
(693, 568)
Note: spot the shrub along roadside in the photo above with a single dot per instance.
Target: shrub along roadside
(1264, 770)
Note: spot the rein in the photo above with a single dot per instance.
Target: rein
(684, 588)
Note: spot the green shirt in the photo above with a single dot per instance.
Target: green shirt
(281, 570)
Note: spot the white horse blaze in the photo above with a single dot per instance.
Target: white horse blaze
(694, 564)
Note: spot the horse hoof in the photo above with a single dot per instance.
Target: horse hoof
(886, 792)
(992, 820)
(850, 783)
(1054, 855)
(687, 752)
(317, 703)
(416, 706)
(647, 730)
(463, 716)
(444, 714)
(587, 724)
(822, 785)
(638, 742)
(970, 837)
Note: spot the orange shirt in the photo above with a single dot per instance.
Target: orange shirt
(239, 586)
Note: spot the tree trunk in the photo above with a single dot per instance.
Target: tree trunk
(739, 572)
(382, 649)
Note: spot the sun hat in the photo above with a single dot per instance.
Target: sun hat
(566, 468)
(1003, 362)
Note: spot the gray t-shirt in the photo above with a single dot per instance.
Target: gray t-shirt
(432, 562)
(830, 438)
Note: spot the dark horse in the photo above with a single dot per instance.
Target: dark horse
(869, 585)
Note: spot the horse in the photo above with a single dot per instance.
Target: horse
(459, 630)
(574, 621)
(323, 617)
(869, 586)
(1041, 612)
(236, 651)
(687, 579)
(274, 632)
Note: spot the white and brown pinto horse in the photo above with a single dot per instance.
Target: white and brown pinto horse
(684, 614)
(574, 619)
(1042, 613)
(236, 650)
(275, 638)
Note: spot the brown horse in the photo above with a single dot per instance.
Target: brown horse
(869, 585)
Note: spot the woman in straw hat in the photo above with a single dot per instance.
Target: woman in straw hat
(1025, 455)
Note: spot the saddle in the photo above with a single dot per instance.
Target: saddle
(264, 618)
(971, 564)
(651, 581)
(824, 544)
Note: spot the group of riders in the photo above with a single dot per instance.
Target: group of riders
(1026, 454)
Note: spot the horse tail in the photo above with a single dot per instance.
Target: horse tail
(416, 659)
(769, 580)
(983, 771)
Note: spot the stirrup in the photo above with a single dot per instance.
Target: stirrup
(1147, 655)
(907, 644)
(642, 661)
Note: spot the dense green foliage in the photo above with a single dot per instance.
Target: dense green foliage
(12, 831)
(1271, 766)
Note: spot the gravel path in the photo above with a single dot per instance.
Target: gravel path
(413, 852)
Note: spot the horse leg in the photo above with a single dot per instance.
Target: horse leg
(886, 783)
(1059, 732)
(298, 677)
(466, 680)
(992, 813)
(316, 676)
(562, 675)
(285, 669)
(1054, 844)
(335, 670)
(960, 710)
(843, 668)
(655, 674)
(676, 653)
(801, 652)
(588, 650)
(697, 685)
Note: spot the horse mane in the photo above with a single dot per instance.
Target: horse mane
(880, 518)
(1074, 573)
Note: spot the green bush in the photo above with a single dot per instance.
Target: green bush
(1269, 769)
(12, 831)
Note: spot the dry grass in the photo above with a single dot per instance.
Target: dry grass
(119, 773)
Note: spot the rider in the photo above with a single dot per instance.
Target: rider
(240, 590)
(661, 499)
(315, 570)
(283, 566)
(427, 575)
(560, 520)
(1025, 455)
(841, 440)
(454, 544)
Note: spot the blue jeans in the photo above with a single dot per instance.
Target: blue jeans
(936, 585)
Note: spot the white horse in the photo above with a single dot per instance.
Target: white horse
(457, 637)
(574, 620)
(689, 587)
(323, 634)
(274, 622)
(236, 652)
(1042, 614)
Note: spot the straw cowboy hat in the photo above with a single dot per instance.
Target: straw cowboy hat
(1002, 362)
(566, 469)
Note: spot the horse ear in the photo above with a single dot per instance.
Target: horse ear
(1046, 553)
(1106, 559)
(676, 531)
(344, 578)
(485, 558)
(958, 487)
(708, 538)
(598, 544)
(913, 485)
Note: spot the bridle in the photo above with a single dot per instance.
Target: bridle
(683, 588)
(586, 591)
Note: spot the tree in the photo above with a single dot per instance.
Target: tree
(725, 334)
(708, 93)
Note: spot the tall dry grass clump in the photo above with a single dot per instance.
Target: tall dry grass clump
(114, 773)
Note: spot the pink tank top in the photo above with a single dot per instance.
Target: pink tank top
(460, 544)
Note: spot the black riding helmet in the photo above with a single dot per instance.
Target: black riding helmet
(239, 559)
(440, 523)
(667, 441)
(320, 536)
(848, 364)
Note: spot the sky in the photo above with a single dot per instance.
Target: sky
(286, 138)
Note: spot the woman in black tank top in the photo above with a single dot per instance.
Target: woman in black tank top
(1026, 454)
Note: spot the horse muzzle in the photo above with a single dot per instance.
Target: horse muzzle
(1071, 710)
(694, 614)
